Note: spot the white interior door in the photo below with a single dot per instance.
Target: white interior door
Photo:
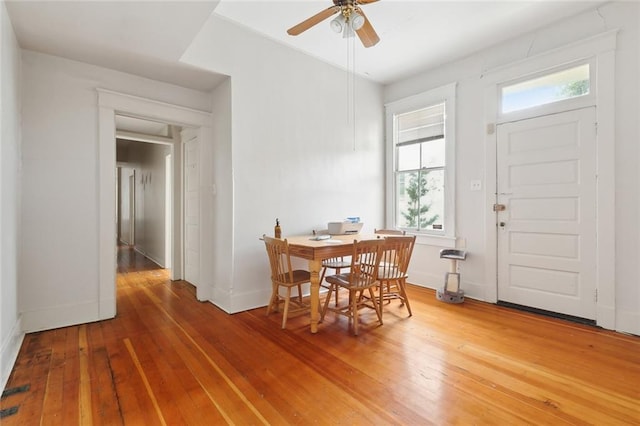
(546, 178)
(191, 207)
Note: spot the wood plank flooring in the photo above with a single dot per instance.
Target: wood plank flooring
(167, 359)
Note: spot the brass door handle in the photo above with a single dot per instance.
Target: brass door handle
(499, 207)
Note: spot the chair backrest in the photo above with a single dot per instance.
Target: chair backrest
(389, 231)
(365, 262)
(279, 259)
(395, 257)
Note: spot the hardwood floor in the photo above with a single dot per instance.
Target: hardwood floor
(167, 359)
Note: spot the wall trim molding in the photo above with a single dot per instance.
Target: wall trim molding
(628, 322)
(9, 351)
(601, 48)
(109, 104)
(60, 316)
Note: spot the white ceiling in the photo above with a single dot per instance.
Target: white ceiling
(414, 34)
(145, 38)
(148, 38)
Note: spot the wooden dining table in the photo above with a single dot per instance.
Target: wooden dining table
(315, 251)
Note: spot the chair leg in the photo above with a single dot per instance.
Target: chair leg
(331, 288)
(286, 308)
(381, 294)
(353, 300)
(325, 306)
(324, 271)
(403, 292)
(336, 289)
(300, 294)
(377, 306)
(273, 302)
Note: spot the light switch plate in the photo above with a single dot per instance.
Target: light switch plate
(476, 185)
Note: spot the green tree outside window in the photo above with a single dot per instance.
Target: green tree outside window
(416, 214)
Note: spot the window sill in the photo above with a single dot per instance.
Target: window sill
(436, 240)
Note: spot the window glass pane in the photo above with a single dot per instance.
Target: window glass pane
(543, 90)
(409, 157)
(420, 200)
(433, 154)
(433, 200)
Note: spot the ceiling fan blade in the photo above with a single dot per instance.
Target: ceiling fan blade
(365, 1)
(367, 34)
(315, 19)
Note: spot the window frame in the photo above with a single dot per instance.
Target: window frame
(552, 107)
(447, 95)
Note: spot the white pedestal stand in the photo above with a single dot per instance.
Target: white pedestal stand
(451, 292)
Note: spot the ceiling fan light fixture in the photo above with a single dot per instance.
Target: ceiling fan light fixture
(357, 21)
(348, 32)
(337, 24)
(350, 21)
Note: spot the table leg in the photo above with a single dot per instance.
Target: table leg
(314, 268)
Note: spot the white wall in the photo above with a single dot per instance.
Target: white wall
(219, 222)
(125, 191)
(10, 330)
(292, 152)
(281, 114)
(59, 257)
(471, 207)
(149, 162)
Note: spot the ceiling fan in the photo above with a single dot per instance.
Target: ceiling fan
(350, 19)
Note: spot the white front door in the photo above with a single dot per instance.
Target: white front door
(191, 207)
(546, 178)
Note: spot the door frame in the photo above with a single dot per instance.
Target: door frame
(600, 50)
(186, 135)
(110, 104)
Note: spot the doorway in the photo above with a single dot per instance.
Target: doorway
(600, 52)
(110, 105)
(145, 190)
(546, 215)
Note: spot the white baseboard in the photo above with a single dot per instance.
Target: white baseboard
(260, 298)
(9, 352)
(606, 317)
(155, 260)
(425, 279)
(107, 308)
(60, 316)
(149, 256)
(250, 300)
(628, 322)
(435, 281)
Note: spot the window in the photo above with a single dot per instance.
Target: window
(546, 89)
(421, 157)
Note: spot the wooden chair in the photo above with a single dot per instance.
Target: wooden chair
(282, 275)
(362, 277)
(392, 271)
(337, 264)
(389, 231)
